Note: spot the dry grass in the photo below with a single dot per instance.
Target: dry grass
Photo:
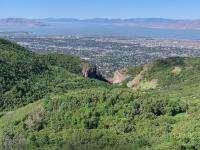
(176, 70)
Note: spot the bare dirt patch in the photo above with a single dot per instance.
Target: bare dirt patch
(120, 76)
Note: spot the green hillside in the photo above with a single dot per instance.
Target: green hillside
(47, 104)
(26, 77)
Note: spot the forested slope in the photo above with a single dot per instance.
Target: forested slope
(47, 104)
(26, 77)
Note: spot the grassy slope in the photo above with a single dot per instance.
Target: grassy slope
(84, 114)
(182, 86)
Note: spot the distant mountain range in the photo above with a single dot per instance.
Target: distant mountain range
(158, 23)
(21, 22)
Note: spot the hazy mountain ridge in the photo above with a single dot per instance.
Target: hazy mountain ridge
(159, 23)
(21, 21)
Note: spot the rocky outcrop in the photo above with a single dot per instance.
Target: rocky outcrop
(119, 76)
(91, 71)
(85, 70)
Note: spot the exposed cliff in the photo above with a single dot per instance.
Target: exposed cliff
(91, 71)
(119, 76)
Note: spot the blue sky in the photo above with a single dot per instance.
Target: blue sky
(175, 9)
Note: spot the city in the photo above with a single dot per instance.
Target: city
(108, 53)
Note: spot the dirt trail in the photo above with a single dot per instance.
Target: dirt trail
(135, 82)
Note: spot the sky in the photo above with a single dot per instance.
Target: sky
(83, 9)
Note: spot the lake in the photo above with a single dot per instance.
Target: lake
(96, 29)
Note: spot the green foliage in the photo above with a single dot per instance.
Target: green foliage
(163, 71)
(26, 77)
(45, 103)
(71, 63)
(83, 119)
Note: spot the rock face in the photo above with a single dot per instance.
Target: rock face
(85, 70)
(119, 76)
(92, 72)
